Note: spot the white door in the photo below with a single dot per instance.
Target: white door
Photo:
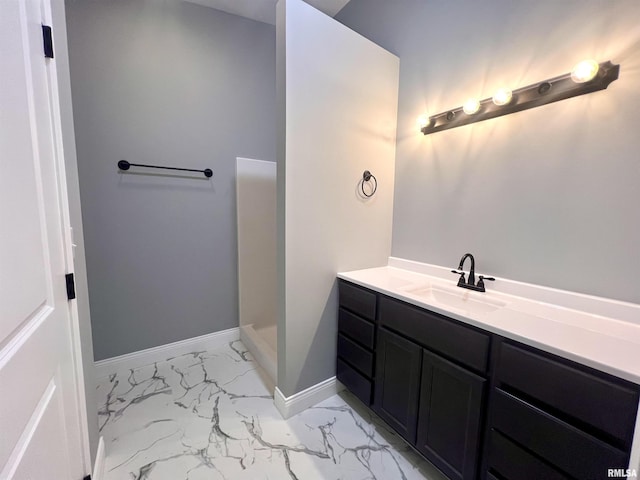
(40, 426)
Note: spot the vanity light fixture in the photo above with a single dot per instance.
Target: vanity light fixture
(502, 97)
(585, 71)
(423, 121)
(587, 76)
(471, 106)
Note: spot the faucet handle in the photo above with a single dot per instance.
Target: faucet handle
(462, 280)
(481, 282)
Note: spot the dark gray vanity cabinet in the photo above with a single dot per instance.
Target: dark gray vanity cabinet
(356, 340)
(477, 405)
(556, 417)
(436, 368)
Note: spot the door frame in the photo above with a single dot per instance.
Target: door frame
(59, 126)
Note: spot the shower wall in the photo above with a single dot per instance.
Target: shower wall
(168, 83)
(337, 105)
(257, 281)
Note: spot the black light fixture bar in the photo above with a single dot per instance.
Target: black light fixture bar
(535, 95)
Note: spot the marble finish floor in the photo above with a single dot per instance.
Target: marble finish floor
(210, 415)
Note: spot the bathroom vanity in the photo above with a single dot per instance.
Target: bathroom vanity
(480, 399)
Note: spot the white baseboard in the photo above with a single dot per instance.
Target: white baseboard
(158, 354)
(298, 402)
(98, 467)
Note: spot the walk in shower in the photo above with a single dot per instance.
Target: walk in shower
(257, 280)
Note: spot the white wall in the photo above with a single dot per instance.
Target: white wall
(256, 212)
(339, 93)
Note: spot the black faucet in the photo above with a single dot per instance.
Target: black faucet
(471, 282)
(472, 277)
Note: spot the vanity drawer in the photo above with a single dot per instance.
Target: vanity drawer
(357, 384)
(358, 300)
(571, 391)
(578, 454)
(462, 344)
(513, 463)
(355, 355)
(356, 328)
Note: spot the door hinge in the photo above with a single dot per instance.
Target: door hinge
(47, 38)
(88, 477)
(71, 286)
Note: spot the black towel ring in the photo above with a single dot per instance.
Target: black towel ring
(366, 177)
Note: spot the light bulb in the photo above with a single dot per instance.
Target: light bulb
(423, 121)
(585, 71)
(471, 106)
(502, 97)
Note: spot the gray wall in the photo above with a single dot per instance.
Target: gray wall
(548, 196)
(170, 83)
(75, 213)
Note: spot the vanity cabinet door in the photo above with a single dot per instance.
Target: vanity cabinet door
(450, 414)
(398, 366)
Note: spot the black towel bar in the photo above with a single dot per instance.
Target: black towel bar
(124, 165)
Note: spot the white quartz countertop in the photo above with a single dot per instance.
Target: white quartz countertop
(607, 344)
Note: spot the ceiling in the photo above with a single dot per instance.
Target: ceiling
(265, 10)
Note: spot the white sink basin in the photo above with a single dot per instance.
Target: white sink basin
(464, 301)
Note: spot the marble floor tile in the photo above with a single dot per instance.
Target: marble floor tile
(210, 415)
